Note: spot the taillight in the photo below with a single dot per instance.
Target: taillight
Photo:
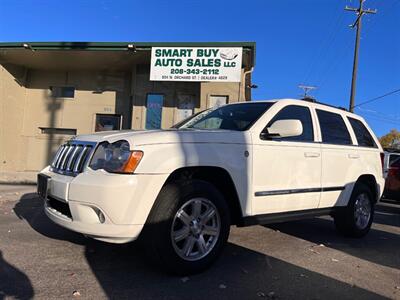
(392, 172)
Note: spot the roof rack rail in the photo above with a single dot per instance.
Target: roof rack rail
(312, 100)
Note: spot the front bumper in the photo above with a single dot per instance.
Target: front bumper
(107, 207)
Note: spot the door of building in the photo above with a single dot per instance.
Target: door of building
(154, 107)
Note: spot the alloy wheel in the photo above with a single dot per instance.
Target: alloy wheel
(195, 229)
(362, 211)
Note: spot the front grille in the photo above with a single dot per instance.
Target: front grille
(72, 157)
(58, 206)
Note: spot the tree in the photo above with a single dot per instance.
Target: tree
(391, 140)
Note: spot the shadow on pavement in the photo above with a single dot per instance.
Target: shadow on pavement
(13, 283)
(240, 273)
(388, 214)
(390, 201)
(30, 208)
(378, 246)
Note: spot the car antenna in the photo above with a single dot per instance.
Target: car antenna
(307, 89)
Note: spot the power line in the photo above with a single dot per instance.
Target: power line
(385, 9)
(383, 120)
(377, 98)
(326, 44)
(392, 117)
(335, 62)
(331, 51)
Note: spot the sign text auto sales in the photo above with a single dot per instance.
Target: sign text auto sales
(196, 64)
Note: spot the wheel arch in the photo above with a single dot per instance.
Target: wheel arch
(217, 176)
(370, 181)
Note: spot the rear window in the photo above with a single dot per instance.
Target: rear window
(394, 161)
(363, 136)
(333, 128)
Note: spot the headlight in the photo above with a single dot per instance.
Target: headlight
(115, 158)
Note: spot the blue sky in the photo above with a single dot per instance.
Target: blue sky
(298, 41)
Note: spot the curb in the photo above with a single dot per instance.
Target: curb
(17, 182)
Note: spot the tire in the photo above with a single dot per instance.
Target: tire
(187, 242)
(356, 218)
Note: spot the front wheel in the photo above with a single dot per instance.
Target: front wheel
(356, 218)
(188, 226)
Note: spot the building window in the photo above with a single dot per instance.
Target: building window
(216, 100)
(106, 122)
(185, 107)
(154, 111)
(62, 91)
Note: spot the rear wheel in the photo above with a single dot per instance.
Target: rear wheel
(187, 227)
(355, 220)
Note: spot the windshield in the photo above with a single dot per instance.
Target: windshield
(237, 117)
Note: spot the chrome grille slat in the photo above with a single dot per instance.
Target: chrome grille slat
(57, 158)
(72, 157)
(53, 164)
(69, 149)
(85, 156)
(61, 156)
(78, 160)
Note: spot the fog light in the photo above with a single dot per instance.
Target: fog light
(100, 215)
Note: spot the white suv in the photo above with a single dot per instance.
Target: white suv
(244, 164)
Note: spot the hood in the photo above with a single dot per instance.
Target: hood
(151, 137)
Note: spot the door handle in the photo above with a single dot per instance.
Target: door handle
(354, 156)
(311, 154)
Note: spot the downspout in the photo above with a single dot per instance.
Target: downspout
(242, 84)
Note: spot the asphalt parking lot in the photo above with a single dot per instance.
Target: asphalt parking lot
(302, 260)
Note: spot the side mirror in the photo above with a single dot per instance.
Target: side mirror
(283, 128)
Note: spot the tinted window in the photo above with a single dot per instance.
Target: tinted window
(333, 128)
(229, 117)
(295, 112)
(394, 161)
(364, 138)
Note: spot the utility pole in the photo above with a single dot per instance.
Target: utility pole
(360, 12)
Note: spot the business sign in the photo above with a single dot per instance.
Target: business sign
(196, 64)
